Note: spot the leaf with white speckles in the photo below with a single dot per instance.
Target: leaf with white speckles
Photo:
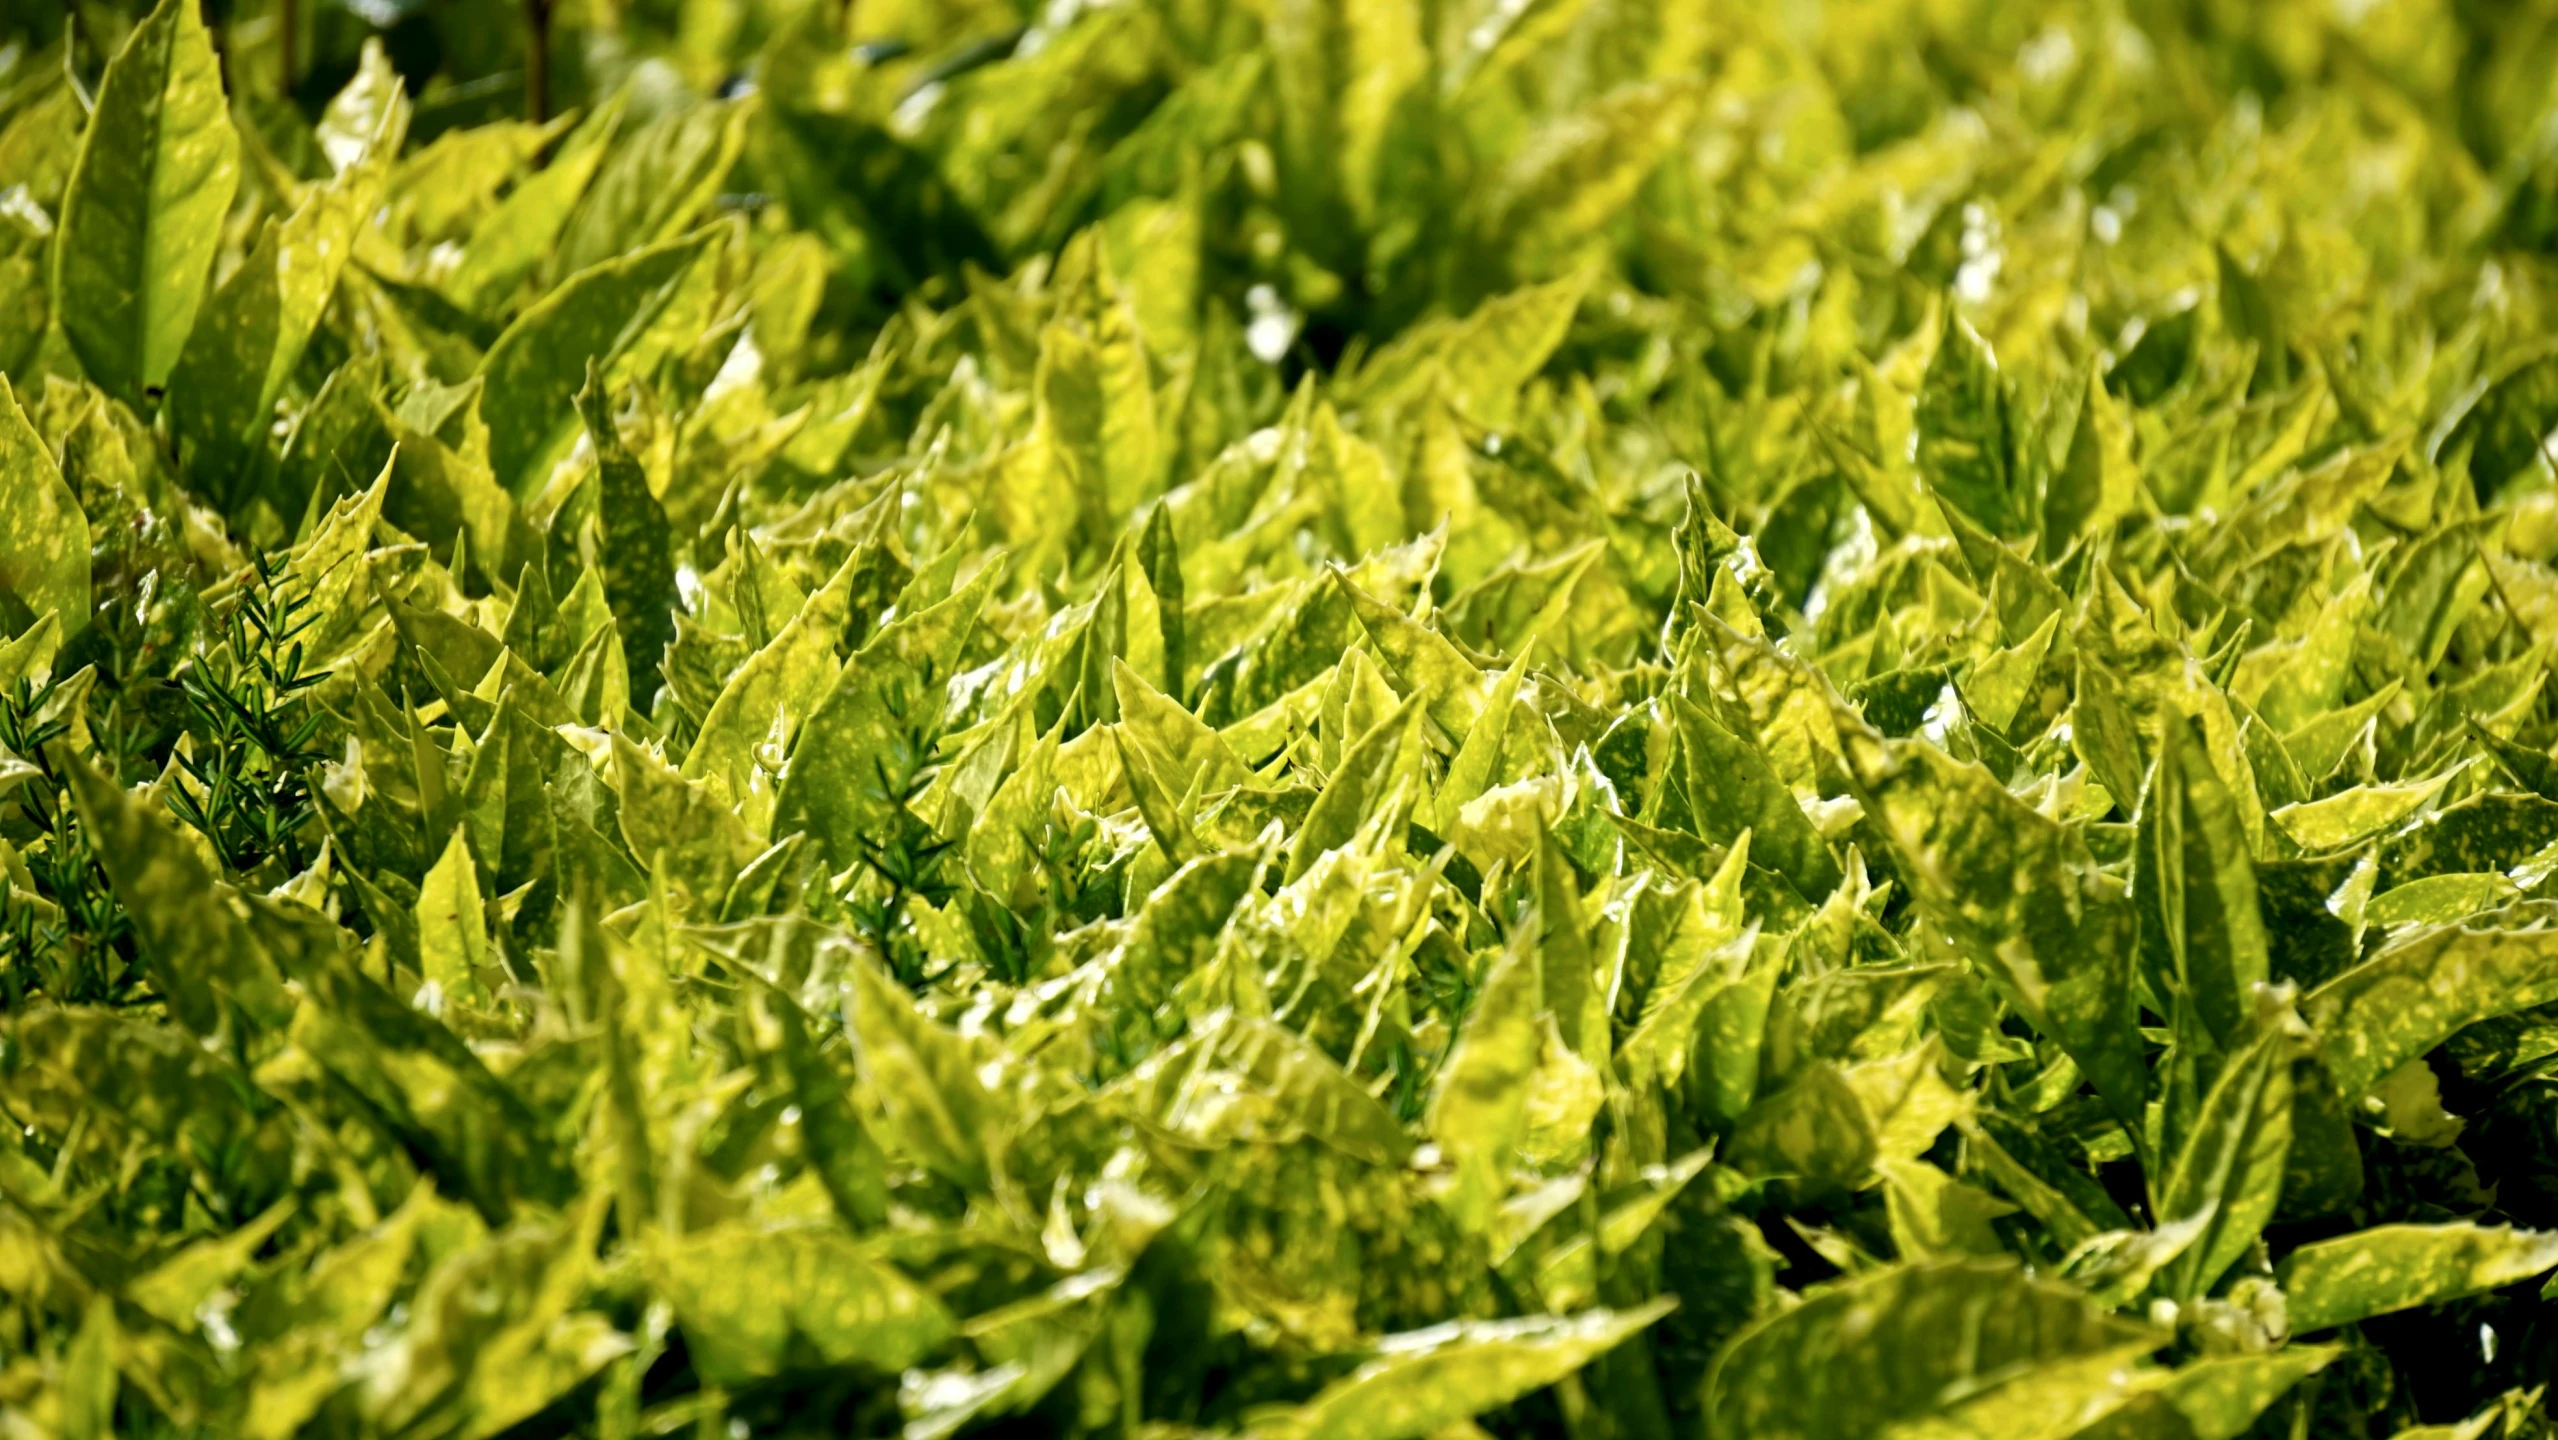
(1479, 1109)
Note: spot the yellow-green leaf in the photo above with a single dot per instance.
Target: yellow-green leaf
(157, 167)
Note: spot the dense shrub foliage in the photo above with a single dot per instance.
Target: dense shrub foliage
(1321, 718)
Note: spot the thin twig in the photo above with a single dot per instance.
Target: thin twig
(537, 60)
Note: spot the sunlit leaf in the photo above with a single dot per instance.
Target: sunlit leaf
(2395, 1267)
(1873, 1352)
(44, 559)
(141, 220)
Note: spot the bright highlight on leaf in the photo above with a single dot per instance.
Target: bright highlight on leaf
(1367, 719)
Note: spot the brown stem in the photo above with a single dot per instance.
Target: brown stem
(537, 60)
(221, 42)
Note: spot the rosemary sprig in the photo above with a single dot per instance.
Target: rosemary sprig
(907, 861)
(253, 729)
(71, 940)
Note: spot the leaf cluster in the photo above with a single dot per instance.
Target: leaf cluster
(1618, 719)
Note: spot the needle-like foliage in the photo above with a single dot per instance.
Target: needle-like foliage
(1369, 719)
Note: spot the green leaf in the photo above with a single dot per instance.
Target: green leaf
(2470, 1429)
(1491, 353)
(847, 1160)
(999, 848)
(143, 215)
(2506, 422)
(2098, 481)
(774, 691)
(2116, 1267)
(505, 793)
(2230, 1166)
(639, 558)
(1902, 1345)
(452, 929)
(368, 119)
(2387, 1268)
(1967, 446)
(2318, 746)
(2312, 682)
(2022, 595)
(2221, 1396)
(30, 657)
(1478, 1109)
(1731, 1037)
(204, 957)
(1815, 1132)
(1471, 770)
(425, 1090)
(926, 1079)
(89, 1374)
(2202, 938)
(2102, 730)
(657, 183)
(2422, 989)
(681, 825)
(509, 242)
(247, 342)
(1189, 753)
(1663, 1040)
(176, 1289)
(538, 366)
(2342, 819)
(1368, 771)
(1999, 685)
(1934, 1216)
(2005, 882)
(755, 1301)
(44, 550)
(1732, 788)
(2437, 581)
(1575, 176)
(833, 789)
(2440, 899)
(1423, 660)
(1422, 1382)
(1318, 1095)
